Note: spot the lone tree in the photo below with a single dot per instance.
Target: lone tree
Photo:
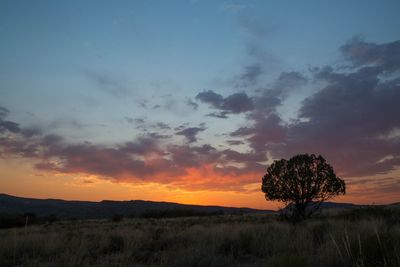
(303, 183)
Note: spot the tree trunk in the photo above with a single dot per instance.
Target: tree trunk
(300, 211)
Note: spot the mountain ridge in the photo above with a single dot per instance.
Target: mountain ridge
(78, 209)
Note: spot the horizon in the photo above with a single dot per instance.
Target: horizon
(190, 101)
(189, 204)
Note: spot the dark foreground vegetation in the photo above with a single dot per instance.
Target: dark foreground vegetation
(350, 238)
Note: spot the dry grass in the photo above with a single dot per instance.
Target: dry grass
(248, 240)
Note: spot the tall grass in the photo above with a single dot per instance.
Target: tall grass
(242, 240)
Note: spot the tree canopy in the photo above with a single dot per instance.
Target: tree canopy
(303, 182)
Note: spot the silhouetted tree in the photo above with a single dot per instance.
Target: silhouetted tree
(303, 183)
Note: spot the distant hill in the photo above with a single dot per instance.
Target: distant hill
(65, 209)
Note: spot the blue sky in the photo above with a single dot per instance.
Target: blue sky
(109, 72)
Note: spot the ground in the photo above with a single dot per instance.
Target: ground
(224, 240)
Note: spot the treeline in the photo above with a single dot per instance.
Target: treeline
(26, 219)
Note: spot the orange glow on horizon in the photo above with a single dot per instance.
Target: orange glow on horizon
(200, 186)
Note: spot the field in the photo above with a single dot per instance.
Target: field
(351, 239)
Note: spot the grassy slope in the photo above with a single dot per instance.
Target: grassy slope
(247, 240)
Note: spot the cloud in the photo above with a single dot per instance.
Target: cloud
(162, 126)
(210, 97)
(132, 120)
(234, 103)
(192, 104)
(182, 126)
(219, 115)
(266, 101)
(237, 103)
(273, 96)
(142, 160)
(361, 53)
(156, 135)
(347, 119)
(7, 125)
(31, 132)
(107, 83)
(266, 129)
(141, 146)
(190, 133)
(251, 73)
(234, 142)
(3, 112)
(258, 58)
(350, 120)
(145, 159)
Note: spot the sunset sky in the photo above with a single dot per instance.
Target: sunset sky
(190, 101)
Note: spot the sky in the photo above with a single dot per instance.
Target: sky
(191, 101)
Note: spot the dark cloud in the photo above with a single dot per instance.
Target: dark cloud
(31, 132)
(3, 112)
(266, 101)
(210, 97)
(9, 126)
(193, 156)
(266, 130)
(235, 103)
(251, 73)
(5, 125)
(219, 115)
(234, 156)
(182, 126)
(361, 53)
(348, 120)
(235, 142)
(141, 146)
(156, 135)
(350, 98)
(192, 104)
(270, 98)
(190, 133)
(287, 82)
